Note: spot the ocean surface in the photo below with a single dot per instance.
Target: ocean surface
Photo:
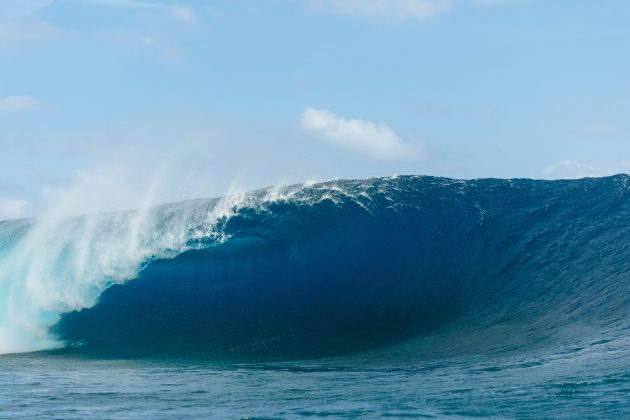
(394, 297)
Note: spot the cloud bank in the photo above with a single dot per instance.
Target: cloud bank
(377, 141)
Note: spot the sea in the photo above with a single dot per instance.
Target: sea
(401, 297)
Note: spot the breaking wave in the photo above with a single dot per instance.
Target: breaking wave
(324, 269)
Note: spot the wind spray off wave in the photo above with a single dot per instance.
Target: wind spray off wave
(324, 269)
(56, 265)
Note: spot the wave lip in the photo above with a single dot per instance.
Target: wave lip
(308, 271)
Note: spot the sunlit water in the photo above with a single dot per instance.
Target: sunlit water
(576, 383)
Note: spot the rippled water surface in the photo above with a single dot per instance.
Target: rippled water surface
(592, 382)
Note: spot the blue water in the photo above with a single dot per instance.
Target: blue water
(403, 296)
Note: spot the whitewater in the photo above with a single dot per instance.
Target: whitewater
(489, 297)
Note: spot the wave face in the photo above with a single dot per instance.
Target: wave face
(324, 269)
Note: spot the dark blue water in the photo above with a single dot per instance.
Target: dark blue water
(405, 296)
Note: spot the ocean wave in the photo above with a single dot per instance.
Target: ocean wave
(323, 269)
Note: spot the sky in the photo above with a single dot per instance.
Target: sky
(114, 104)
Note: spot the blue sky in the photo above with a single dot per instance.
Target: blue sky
(111, 104)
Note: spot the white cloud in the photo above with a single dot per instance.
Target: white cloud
(20, 9)
(11, 209)
(184, 13)
(600, 128)
(572, 169)
(181, 12)
(377, 141)
(155, 44)
(19, 104)
(382, 9)
(11, 32)
(492, 2)
(393, 10)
